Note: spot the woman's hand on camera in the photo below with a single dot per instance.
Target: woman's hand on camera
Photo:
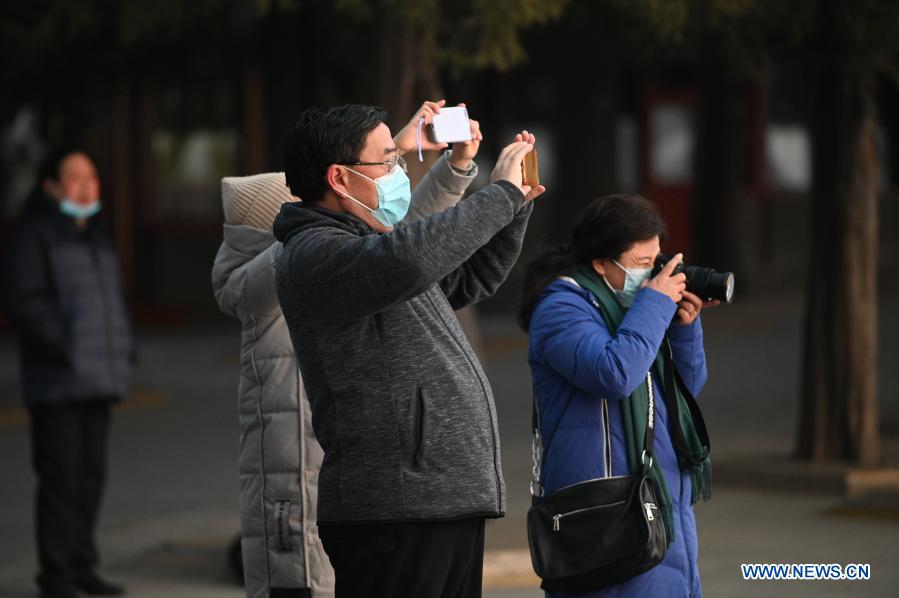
(688, 309)
(671, 286)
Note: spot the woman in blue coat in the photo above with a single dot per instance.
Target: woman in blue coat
(584, 373)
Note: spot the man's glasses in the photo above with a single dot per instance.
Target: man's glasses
(391, 164)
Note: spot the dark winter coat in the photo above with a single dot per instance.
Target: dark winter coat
(62, 292)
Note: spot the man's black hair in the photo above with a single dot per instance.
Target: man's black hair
(52, 163)
(324, 137)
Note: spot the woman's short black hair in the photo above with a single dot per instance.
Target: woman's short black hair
(610, 225)
(604, 229)
(51, 165)
(324, 137)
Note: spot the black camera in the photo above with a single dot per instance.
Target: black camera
(706, 283)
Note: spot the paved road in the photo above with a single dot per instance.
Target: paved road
(171, 505)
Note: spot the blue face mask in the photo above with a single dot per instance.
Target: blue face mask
(394, 196)
(76, 210)
(633, 282)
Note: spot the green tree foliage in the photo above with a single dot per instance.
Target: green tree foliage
(466, 35)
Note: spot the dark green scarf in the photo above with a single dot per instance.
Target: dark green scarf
(691, 454)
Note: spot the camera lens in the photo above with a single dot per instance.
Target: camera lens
(709, 284)
(729, 283)
(706, 283)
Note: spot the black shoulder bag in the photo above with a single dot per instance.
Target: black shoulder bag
(599, 532)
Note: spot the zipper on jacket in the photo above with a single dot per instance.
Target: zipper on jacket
(418, 426)
(610, 477)
(499, 494)
(557, 518)
(607, 439)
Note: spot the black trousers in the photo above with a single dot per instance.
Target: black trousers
(402, 560)
(68, 446)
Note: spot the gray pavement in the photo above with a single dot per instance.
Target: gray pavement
(171, 505)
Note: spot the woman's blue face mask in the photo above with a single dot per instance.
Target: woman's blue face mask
(633, 282)
(77, 210)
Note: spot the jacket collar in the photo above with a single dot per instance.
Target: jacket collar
(247, 240)
(43, 208)
(295, 218)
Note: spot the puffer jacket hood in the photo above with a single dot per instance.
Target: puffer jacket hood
(241, 244)
(247, 240)
(254, 200)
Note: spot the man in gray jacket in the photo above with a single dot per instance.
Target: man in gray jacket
(279, 455)
(400, 403)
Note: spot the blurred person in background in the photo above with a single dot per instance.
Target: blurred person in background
(279, 454)
(63, 293)
(400, 404)
(588, 377)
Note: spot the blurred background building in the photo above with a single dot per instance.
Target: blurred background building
(706, 110)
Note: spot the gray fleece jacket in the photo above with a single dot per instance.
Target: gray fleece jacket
(400, 403)
(279, 454)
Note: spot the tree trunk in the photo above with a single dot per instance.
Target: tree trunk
(408, 77)
(585, 139)
(122, 179)
(253, 121)
(146, 193)
(718, 168)
(838, 417)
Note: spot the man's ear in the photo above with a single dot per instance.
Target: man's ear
(599, 267)
(337, 178)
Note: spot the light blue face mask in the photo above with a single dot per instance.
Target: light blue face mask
(394, 196)
(76, 210)
(633, 282)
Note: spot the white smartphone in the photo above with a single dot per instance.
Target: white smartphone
(451, 125)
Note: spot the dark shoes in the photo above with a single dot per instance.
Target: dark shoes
(93, 585)
(90, 584)
(59, 592)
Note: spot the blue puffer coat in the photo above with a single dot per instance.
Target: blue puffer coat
(575, 365)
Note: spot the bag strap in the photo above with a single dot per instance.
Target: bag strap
(649, 437)
(536, 487)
